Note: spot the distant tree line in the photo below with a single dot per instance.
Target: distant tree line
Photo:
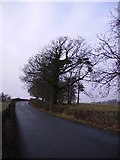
(4, 97)
(58, 71)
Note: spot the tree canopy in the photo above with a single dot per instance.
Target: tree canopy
(56, 67)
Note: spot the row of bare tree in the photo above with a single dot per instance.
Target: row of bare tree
(57, 73)
(4, 97)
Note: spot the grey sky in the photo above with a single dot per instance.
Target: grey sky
(28, 26)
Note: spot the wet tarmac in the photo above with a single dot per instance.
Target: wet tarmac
(41, 135)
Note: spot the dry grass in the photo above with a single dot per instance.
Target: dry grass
(4, 105)
(95, 107)
(94, 115)
(8, 131)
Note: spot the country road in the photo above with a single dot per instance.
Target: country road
(41, 135)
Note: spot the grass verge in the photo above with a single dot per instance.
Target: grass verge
(8, 131)
(104, 117)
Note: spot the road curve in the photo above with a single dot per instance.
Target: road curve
(44, 136)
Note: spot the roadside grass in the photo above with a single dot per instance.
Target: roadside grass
(104, 117)
(8, 130)
(83, 122)
(0, 106)
(4, 105)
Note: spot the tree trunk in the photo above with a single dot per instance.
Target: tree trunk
(78, 97)
(36, 97)
(68, 96)
(55, 94)
(43, 99)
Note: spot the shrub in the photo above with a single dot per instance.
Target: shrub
(36, 103)
(100, 118)
(46, 105)
(59, 108)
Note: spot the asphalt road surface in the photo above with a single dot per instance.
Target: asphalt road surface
(41, 135)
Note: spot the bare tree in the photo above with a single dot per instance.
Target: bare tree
(107, 73)
(56, 61)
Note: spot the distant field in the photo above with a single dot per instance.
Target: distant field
(96, 107)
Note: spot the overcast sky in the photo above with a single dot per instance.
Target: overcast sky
(28, 26)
